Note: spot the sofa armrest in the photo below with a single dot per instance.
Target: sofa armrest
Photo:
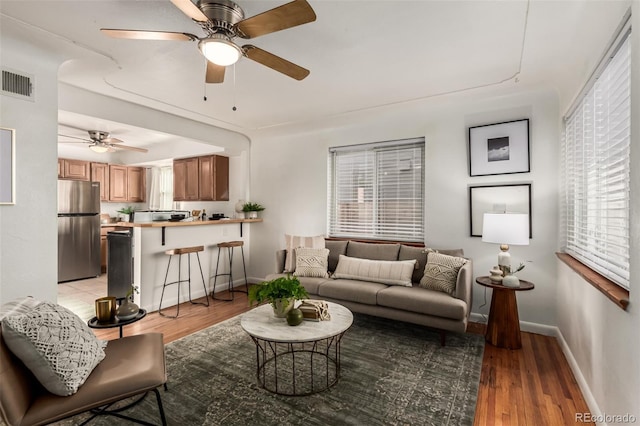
(464, 286)
(280, 259)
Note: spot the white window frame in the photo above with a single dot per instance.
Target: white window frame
(596, 166)
(409, 158)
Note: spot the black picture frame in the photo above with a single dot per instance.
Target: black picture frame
(509, 198)
(499, 148)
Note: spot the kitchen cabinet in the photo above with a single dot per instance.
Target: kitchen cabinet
(100, 173)
(214, 178)
(73, 169)
(127, 184)
(186, 179)
(136, 184)
(117, 183)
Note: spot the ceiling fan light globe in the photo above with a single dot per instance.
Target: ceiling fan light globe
(99, 148)
(220, 51)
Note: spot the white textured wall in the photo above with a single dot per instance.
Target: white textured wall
(28, 229)
(601, 338)
(289, 176)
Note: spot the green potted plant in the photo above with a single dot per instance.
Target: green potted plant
(281, 292)
(252, 209)
(127, 212)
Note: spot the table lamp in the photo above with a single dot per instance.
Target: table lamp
(505, 229)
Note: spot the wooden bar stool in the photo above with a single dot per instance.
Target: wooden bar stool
(180, 252)
(229, 245)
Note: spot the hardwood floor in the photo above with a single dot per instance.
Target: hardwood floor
(531, 386)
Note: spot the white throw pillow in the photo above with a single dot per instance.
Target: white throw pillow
(55, 344)
(18, 306)
(441, 272)
(312, 262)
(296, 241)
(390, 272)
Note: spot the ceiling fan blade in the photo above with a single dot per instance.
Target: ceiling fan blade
(130, 148)
(190, 9)
(275, 62)
(74, 137)
(111, 140)
(288, 15)
(148, 35)
(215, 73)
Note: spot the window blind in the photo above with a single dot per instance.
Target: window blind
(596, 165)
(376, 191)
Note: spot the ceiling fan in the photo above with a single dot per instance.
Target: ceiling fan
(223, 21)
(100, 141)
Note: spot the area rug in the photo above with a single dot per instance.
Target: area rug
(392, 373)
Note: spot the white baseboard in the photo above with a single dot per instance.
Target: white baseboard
(549, 330)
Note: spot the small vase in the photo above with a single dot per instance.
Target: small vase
(511, 281)
(282, 306)
(127, 310)
(496, 275)
(253, 215)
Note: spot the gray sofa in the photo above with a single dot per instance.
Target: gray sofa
(413, 304)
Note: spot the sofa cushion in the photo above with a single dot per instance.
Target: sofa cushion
(295, 241)
(309, 283)
(423, 301)
(351, 290)
(448, 252)
(336, 248)
(441, 272)
(373, 251)
(311, 262)
(389, 272)
(417, 253)
(55, 344)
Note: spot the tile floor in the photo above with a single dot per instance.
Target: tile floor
(79, 296)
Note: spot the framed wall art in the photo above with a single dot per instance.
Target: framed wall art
(501, 148)
(7, 166)
(510, 198)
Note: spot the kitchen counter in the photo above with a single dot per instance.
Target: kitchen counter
(180, 223)
(150, 241)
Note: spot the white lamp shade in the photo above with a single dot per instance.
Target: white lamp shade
(506, 228)
(220, 51)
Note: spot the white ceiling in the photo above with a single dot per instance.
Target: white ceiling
(362, 55)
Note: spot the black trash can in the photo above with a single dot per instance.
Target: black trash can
(119, 263)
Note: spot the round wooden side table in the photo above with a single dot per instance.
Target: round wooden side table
(503, 328)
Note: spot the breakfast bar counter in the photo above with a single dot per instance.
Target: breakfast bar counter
(151, 240)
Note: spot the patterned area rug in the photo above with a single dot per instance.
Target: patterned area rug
(392, 373)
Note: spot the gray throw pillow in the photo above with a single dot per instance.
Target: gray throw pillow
(441, 272)
(55, 344)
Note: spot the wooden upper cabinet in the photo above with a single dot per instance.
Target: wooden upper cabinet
(186, 179)
(136, 184)
(118, 181)
(100, 173)
(74, 169)
(214, 178)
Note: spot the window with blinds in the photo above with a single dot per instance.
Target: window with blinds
(376, 191)
(596, 167)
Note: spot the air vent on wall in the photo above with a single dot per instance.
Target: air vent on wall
(19, 85)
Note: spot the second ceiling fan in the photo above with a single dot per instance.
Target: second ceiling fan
(223, 21)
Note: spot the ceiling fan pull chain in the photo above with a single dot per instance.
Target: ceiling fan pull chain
(234, 88)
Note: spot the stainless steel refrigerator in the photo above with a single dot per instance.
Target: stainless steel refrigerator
(78, 230)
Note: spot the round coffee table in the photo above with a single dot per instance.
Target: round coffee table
(297, 360)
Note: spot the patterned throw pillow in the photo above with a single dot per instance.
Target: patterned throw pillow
(18, 306)
(294, 242)
(312, 262)
(389, 272)
(55, 344)
(441, 272)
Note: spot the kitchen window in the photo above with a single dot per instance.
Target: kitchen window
(596, 167)
(376, 191)
(161, 193)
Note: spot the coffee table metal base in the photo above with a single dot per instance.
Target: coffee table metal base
(298, 368)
